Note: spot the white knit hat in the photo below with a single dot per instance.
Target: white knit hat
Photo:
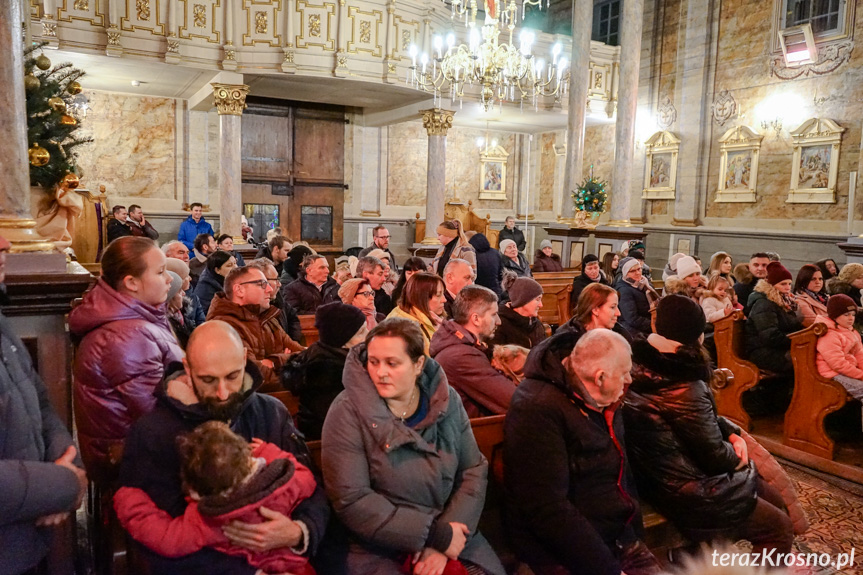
(503, 245)
(686, 266)
(629, 265)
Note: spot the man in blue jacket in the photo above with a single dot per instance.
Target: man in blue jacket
(193, 225)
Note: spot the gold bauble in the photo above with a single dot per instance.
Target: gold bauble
(57, 104)
(70, 181)
(39, 156)
(74, 88)
(68, 120)
(42, 62)
(31, 83)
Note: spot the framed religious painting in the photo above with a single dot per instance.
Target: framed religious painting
(492, 173)
(660, 170)
(739, 149)
(815, 162)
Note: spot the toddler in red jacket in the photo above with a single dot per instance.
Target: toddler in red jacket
(226, 479)
(840, 350)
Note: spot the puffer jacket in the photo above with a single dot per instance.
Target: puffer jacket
(397, 488)
(262, 335)
(569, 493)
(580, 282)
(516, 329)
(487, 263)
(837, 286)
(125, 346)
(209, 284)
(678, 447)
(544, 263)
(314, 376)
(767, 328)
(840, 351)
(483, 389)
(634, 309)
(32, 437)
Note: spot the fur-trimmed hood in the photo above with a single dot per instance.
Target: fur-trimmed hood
(769, 291)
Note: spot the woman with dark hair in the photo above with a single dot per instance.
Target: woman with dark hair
(690, 464)
(212, 281)
(828, 267)
(422, 302)
(487, 262)
(454, 246)
(519, 317)
(722, 264)
(225, 243)
(610, 263)
(125, 345)
(410, 267)
(810, 294)
(400, 462)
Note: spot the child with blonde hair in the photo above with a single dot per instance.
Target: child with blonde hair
(716, 302)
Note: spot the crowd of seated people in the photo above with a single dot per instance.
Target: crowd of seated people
(589, 410)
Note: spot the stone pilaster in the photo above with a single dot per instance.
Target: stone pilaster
(436, 122)
(230, 101)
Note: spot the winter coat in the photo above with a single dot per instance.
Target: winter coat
(678, 447)
(32, 437)
(714, 308)
(125, 346)
(190, 229)
(521, 268)
(383, 302)
(193, 313)
(145, 231)
(767, 329)
(483, 389)
(568, 490)
(743, 291)
(288, 318)
(427, 326)
(516, 329)
(264, 252)
(117, 229)
(314, 377)
(366, 251)
(181, 328)
(544, 263)
(840, 351)
(488, 270)
(580, 282)
(151, 462)
(836, 286)
(515, 235)
(280, 486)
(241, 263)
(634, 309)
(460, 251)
(396, 488)
(306, 297)
(261, 333)
(197, 267)
(574, 326)
(209, 284)
(809, 308)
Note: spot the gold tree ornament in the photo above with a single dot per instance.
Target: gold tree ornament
(39, 156)
(68, 120)
(57, 104)
(70, 181)
(42, 62)
(74, 88)
(31, 83)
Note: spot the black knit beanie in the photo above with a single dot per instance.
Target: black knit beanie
(337, 323)
(680, 319)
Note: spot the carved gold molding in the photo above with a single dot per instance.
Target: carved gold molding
(437, 121)
(230, 99)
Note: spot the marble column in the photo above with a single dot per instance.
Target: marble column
(436, 122)
(230, 101)
(627, 103)
(582, 24)
(16, 222)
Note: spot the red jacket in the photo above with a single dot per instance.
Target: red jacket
(200, 527)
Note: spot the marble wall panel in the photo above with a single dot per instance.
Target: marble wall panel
(599, 152)
(669, 46)
(133, 152)
(547, 161)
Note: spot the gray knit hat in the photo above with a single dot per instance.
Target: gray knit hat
(521, 290)
(176, 285)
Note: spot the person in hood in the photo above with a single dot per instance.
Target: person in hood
(569, 495)
(519, 317)
(401, 465)
(125, 345)
(690, 464)
(488, 265)
(215, 382)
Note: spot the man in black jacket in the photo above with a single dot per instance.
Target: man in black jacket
(215, 382)
(758, 268)
(380, 241)
(510, 232)
(314, 287)
(569, 498)
(118, 227)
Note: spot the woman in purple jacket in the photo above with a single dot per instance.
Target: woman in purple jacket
(125, 343)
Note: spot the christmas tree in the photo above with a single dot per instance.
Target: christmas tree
(590, 195)
(51, 126)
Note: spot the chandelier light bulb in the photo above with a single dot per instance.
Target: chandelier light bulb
(438, 46)
(480, 142)
(540, 66)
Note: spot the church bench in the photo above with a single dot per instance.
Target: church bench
(310, 332)
(814, 397)
(556, 290)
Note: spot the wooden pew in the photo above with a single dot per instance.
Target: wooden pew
(728, 336)
(556, 290)
(814, 397)
(310, 332)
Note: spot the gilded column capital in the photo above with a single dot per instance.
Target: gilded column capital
(230, 99)
(437, 121)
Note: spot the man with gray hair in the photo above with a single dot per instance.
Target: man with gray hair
(373, 271)
(457, 274)
(313, 288)
(176, 249)
(460, 347)
(570, 503)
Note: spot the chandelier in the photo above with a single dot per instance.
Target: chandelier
(504, 72)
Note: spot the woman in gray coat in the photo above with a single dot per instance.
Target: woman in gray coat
(401, 465)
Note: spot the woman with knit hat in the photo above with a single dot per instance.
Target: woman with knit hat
(314, 375)
(454, 245)
(590, 273)
(692, 282)
(772, 316)
(513, 260)
(840, 350)
(546, 260)
(636, 295)
(691, 465)
(359, 293)
(519, 317)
